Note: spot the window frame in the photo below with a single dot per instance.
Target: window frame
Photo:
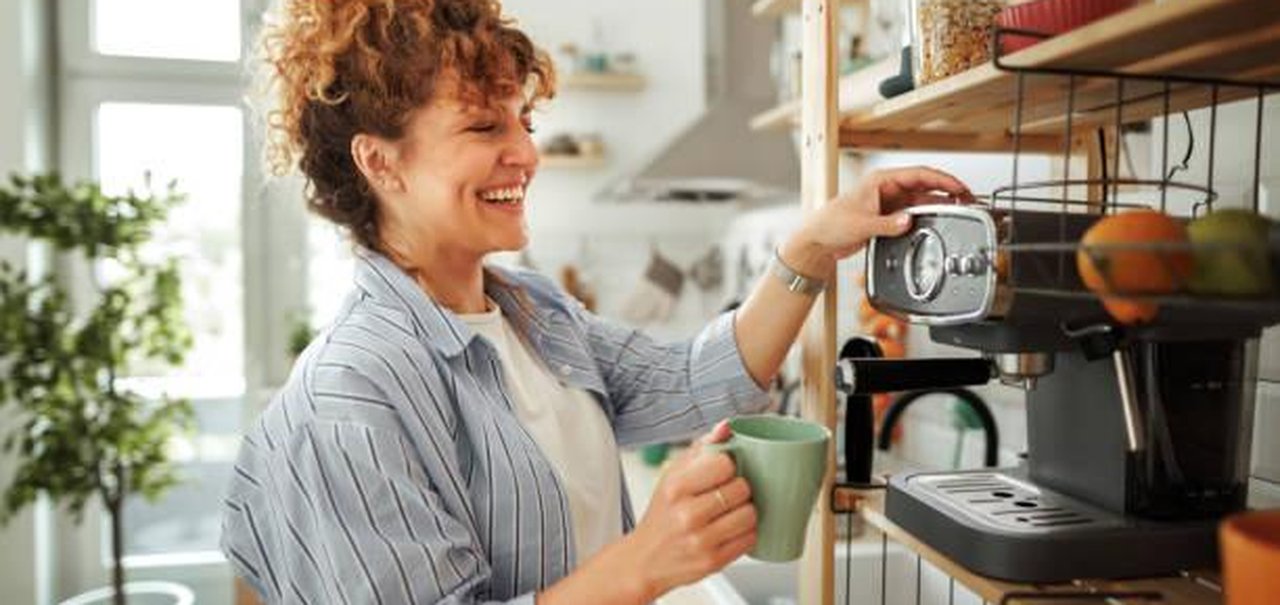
(273, 226)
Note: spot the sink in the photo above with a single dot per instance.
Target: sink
(752, 582)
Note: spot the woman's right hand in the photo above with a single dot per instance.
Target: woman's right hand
(700, 519)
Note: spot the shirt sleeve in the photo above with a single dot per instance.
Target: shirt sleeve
(666, 391)
(350, 517)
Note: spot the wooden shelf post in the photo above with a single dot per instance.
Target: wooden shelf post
(818, 182)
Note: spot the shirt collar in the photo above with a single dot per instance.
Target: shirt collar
(391, 286)
(441, 328)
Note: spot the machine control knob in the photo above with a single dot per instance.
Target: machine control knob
(952, 265)
(973, 264)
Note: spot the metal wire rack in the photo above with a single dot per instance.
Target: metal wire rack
(1051, 261)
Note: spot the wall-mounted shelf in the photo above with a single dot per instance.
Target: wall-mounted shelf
(581, 162)
(854, 89)
(1211, 39)
(974, 110)
(1199, 588)
(786, 115)
(606, 81)
(777, 8)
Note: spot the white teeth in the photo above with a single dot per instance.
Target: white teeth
(508, 195)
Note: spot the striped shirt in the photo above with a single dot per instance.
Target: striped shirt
(391, 467)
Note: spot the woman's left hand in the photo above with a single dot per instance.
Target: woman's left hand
(847, 222)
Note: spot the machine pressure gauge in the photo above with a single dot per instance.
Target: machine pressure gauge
(924, 268)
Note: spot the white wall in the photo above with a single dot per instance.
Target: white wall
(611, 242)
(25, 114)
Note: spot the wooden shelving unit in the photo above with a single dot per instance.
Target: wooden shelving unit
(561, 161)
(975, 110)
(605, 81)
(1191, 38)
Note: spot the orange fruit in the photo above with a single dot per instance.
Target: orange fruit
(892, 348)
(885, 326)
(1110, 269)
(1130, 312)
(865, 310)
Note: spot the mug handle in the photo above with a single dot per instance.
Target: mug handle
(729, 446)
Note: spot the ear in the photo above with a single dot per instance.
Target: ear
(376, 159)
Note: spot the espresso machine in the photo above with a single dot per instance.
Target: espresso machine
(1138, 436)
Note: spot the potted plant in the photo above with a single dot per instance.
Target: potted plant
(81, 434)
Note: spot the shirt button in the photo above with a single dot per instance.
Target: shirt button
(565, 370)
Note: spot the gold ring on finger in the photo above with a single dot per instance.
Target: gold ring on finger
(724, 504)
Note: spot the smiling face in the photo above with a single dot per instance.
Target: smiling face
(458, 178)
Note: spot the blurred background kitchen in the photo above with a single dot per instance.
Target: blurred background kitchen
(656, 204)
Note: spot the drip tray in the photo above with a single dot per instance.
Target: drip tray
(998, 524)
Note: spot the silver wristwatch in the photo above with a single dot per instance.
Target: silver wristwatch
(794, 282)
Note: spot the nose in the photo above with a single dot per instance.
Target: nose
(521, 151)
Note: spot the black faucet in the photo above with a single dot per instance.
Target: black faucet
(972, 399)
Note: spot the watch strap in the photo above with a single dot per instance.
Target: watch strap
(793, 280)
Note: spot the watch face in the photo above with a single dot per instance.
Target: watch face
(924, 265)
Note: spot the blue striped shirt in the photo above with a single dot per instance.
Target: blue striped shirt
(391, 467)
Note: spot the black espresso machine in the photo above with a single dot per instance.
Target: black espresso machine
(1138, 437)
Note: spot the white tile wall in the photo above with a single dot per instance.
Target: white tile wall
(1266, 432)
(1264, 494)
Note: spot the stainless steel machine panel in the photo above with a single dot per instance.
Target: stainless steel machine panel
(941, 272)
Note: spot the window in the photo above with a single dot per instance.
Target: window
(206, 30)
(201, 147)
(156, 87)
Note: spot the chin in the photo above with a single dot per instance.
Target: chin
(512, 243)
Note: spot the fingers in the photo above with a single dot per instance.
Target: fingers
(720, 432)
(731, 550)
(732, 525)
(901, 184)
(701, 473)
(891, 225)
(735, 494)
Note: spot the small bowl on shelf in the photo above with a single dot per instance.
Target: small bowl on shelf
(1051, 17)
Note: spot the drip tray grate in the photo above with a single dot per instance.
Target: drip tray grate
(1002, 502)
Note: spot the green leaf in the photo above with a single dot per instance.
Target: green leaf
(59, 370)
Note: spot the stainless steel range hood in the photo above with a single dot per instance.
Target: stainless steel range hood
(719, 158)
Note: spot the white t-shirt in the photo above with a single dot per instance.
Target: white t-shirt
(570, 428)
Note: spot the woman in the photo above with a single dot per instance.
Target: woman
(453, 436)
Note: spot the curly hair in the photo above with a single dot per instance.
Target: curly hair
(339, 68)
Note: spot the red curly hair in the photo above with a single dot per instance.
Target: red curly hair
(344, 67)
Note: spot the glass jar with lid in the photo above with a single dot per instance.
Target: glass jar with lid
(951, 36)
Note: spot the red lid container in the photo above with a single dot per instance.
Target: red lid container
(1052, 17)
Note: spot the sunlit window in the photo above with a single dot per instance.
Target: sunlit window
(206, 30)
(331, 267)
(201, 148)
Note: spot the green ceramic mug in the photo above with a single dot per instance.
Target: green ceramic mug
(784, 460)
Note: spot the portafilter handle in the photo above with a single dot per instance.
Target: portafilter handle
(866, 376)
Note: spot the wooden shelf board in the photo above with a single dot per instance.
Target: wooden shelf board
(1199, 590)
(1191, 38)
(949, 141)
(604, 81)
(786, 115)
(571, 161)
(777, 8)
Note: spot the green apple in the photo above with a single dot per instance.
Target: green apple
(1231, 253)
